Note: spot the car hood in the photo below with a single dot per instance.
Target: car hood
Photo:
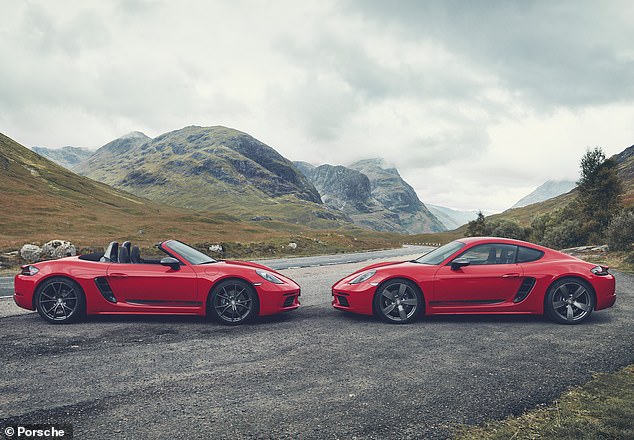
(251, 264)
(392, 266)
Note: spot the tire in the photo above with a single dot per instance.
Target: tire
(398, 301)
(569, 301)
(232, 302)
(60, 300)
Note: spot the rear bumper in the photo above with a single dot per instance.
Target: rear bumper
(605, 289)
(24, 287)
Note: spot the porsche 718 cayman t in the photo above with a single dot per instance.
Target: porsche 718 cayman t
(478, 276)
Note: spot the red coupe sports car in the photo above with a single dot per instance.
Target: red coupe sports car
(479, 275)
(184, 282)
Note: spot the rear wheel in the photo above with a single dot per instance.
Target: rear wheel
(232, 302)
(398, 302)
(569, 301)
(60, 300)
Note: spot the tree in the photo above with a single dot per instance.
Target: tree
(599, 192)
(477, 227)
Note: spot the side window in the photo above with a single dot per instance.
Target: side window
(490, 254)
(526, 255)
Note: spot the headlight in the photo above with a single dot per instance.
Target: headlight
(29, 270)
(269, 276)
(363, 277)
(600, 270)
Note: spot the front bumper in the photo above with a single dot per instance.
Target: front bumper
(355, 298)
(277, 298)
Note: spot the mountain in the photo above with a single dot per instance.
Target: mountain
(112, 150)
(547, 190)
(452, 218)
(372, 195)
(211, 168)
(397, 196)
(625, 168)
(41, 200)
(68, 157)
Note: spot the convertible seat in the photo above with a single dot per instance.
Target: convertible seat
(135, 255)
(124, 255)
(112, 253)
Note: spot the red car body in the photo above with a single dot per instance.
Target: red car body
(515, 287)
(112, 287)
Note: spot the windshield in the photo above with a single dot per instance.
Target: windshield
(189, 253)
(440, 254)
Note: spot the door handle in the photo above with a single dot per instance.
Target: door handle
(511, 275)
(118, 275)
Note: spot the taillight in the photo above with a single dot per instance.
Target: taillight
(600, 270)
(29, 270)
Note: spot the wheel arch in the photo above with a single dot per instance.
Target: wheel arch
(397, 278)
(575, 277)
(38, 285)
(230, 278)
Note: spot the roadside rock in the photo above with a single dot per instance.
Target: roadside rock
(216, 248)
(58, 249)
(31, 253)
(292, 245)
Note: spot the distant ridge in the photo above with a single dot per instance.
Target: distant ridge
(547, 190)
(68, 157)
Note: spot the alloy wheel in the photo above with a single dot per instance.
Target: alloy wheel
(572, 302)
(233, 303)
(59, 301)
(398, 302)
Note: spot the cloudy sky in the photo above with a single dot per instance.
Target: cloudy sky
(476, 103)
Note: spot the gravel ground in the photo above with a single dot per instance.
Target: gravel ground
(312, 373)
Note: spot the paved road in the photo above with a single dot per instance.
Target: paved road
(6, 283)
(315, 373)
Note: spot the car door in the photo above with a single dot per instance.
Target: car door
(153, 285)
(491, 277)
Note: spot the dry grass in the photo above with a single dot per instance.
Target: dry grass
(601, 409)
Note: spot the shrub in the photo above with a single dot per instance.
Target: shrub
(620, 233)
(508, 229)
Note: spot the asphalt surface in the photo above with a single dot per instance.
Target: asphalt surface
(6, 283)
(315, 373)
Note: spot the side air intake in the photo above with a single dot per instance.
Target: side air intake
(524, 290)
(104, 288)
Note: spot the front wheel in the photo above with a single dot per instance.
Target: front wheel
(232, 302)
(398, 302)
(60, 300)
(569, 301)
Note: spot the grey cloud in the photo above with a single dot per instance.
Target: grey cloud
(372, 79)
(84, 30)
(318, 104)
(553, 53)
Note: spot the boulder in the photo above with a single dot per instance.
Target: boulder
(58, 249)
(216, 248)
(292, 245)
(31, 253)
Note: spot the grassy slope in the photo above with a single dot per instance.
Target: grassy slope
(602, 408)
(40, 200)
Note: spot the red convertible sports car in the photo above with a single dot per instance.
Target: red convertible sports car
(184, 282)
(479, 275)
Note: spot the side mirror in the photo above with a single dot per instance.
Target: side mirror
(459, 262)
(172, 262)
